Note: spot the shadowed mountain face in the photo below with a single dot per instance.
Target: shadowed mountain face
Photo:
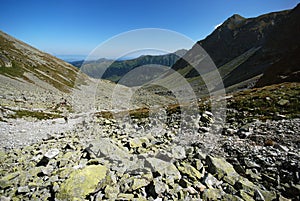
(286, 40)
(247, 47)
(115, 70)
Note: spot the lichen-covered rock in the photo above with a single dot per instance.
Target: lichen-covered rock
(138, 183)
(212, 194)
(243, 194)
(82, 182)
(220, 167)
(190, 171)
(125, 196)
(246, 185)
(111, 192)
(8, 180)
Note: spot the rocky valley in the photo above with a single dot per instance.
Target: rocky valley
(67, 136)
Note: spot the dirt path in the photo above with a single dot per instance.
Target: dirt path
(20, 132)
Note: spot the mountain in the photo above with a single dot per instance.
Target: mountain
(285, 38)
(115, 70)
(36, 85)
(29, 65)
(244, 49)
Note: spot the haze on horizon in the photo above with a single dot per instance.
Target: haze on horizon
(75, 28)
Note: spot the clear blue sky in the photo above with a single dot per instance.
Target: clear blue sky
(78, 26)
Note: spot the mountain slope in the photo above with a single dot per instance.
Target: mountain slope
(23, 62)
(115, 70)
(286, 39)
(35, 85)
(242, 49)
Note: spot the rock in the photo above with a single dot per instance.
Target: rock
(268, 195)
(269, 179)
(283, 102)
(111, 192)
(191, 190)
(82, 182)
(244, 134)
(190, 171)
(159, 186)
(51, 153)
(212, 194)
(138, 183)
(199, 186)
(229, 197)
(7, 180)
(178, 152)
(250, 164)
(211, 181)
(281, 198)
(252, 175)
(125, 196)
(183, 182)
(207, 117)
(47, 156)
(245, 196)
(220, 167)
(281, 147)
(47, 170)
(138, 142)
(246, 186)
(258, 196)
(228, 188)
(295, 190)
(164, 168)
(4, 198)
(229, 131)
(23, 189)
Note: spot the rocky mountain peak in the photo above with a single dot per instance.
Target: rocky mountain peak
(234, 21)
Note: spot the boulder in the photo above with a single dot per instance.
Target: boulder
(82, 182)
(220, 167)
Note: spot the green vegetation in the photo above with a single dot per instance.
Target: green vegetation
(268, 102)
(35, 114)
(14, 71)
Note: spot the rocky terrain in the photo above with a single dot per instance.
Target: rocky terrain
(65, 136)
(97, 157)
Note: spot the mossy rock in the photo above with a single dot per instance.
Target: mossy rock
(7, 180)
(190, 171)
(82, 182)
(220, 168)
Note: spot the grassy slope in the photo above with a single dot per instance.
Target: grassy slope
(51, 70)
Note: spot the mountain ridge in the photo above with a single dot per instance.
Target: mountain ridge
(114, 70)
(237, 36)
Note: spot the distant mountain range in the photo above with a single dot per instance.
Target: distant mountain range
(115, 70)
(250, 52)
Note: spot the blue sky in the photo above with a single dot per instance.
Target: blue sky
(73, 27)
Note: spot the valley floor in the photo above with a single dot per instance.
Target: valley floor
(253, 156)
